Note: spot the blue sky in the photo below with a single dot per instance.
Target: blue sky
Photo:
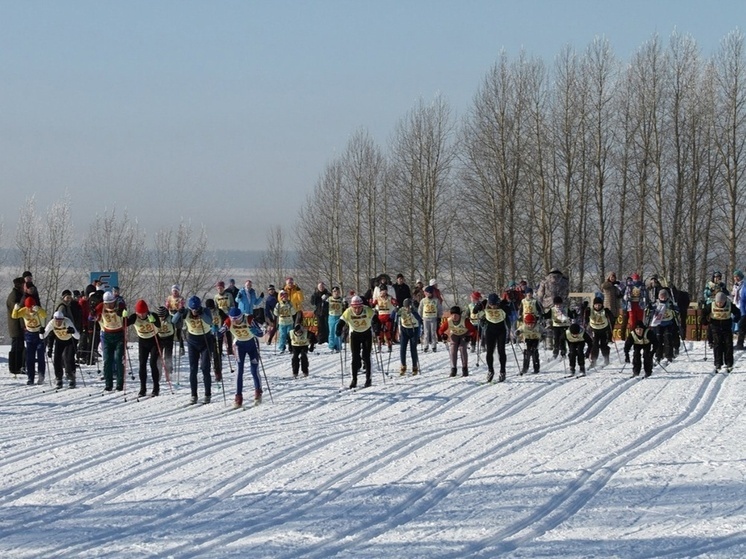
(226, 112)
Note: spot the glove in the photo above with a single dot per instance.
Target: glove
(70, 330)
(151, 319)
(311, 348)
(125, 314)
(626, 357)
(261, 295)
(338, 329)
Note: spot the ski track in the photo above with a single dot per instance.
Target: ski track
(428, 399)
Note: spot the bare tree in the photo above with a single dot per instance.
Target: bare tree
(29, 235)
(57, 250)
(181, 257)
(116, 244)
(275, 262)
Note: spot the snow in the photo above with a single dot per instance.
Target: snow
(416, 467)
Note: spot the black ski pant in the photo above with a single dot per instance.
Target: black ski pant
(64, 359)
(576, 355)
(741, 330)
(200, 353)
(531, 352)
(16, 356)
(494, 337)
(361, 344)
(148, 352)
(600, 344)
(299, 361)
(642, 357)
(666, 334)
(722, 346)
(559, 340)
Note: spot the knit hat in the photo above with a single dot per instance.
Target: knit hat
(235, 313)
(575, 329)
(557, 300)
(59, 315)
(407, 303)
(210, 303)
(455, 309)
(67, 292)
(162, 311)
(141, 307)
(175, 287)
(528, 290)
(738, 274)
(194, 303)
(433, 281)
(639, 324)
(109, 297)
(356, 301)
(492, 299)
(598, 301)
(476, 295)
(529, 319)
(429, 289)
(221, 284)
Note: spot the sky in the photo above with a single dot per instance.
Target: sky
(416, 467)
(225, 113)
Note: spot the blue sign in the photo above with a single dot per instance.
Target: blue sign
(107, 279)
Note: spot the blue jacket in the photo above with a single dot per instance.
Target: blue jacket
(248, 300)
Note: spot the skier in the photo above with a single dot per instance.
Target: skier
(643, 340)
(301, 342)
(336, 308)
(224, 301)
(738, 296)
(175, 305)
(65, 333)
(577, 339)
(476, 313)
(457, 330)
(285, 311)
(200, 341)
(385, 306)
(663, 319)
(530, 330)
(33, 320)
(269, 313)
(635, 300)
(560, 320)
(319, 301)
(246, 334)
(719, 316)
(146, 325)
(15, 328)
(363, 324)
(165, 341)
(712, 288)
(600, 320)
(218, 317)
(430, 310)
(110, 318)
(410, 324)
(495, 326)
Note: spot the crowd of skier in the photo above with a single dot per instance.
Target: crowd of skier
(95, 323)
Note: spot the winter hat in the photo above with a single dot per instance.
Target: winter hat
(598, 301)
(235, 313)
(89, 289)
(433, 282)
(455, 309)
(738, 274)
(162, 311)
(271, 287)
(635, 277)
(298, 328)
(67, 292)
(476, 295)
(557, 300)
(210, 303)
(27, 274)
(400, 275)
(175, 287)
(493, 299)
(141, 307)
(429, 289)
(283, 292)
(575, 329)
(663, 294)
(639, 324)
(528, 290)
(194, 303)
(109, 297)
(407, 303)
(221, 284)
(59, 315)
(529, 319)
(356, 301)
(232, 281)
(721, 297)
(383, 288)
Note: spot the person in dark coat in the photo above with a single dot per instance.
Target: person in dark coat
(320, 303)
(15, 329)
(401, 289)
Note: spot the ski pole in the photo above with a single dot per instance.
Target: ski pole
(516, 356)
(219, 362)
(342, 368)
(264, 372)
(129, 362)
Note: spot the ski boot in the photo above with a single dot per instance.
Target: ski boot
(257, 397)
(238, 401)
(464, 371)
(453, 371)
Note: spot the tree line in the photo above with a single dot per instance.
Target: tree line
(588, 165)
